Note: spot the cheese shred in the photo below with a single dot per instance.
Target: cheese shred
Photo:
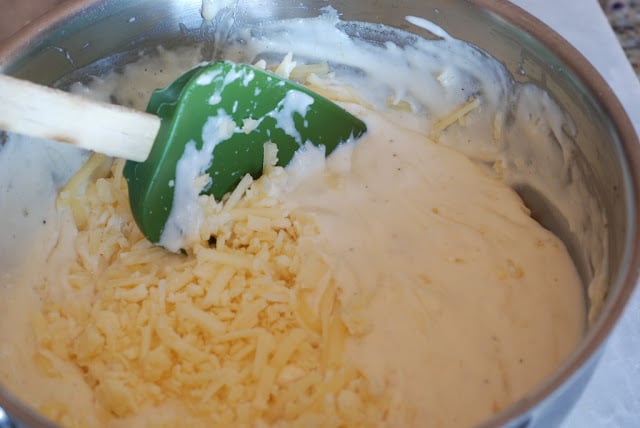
(249, 331)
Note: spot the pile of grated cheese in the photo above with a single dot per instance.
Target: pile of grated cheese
(248, 330)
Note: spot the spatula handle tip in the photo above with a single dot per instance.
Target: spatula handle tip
(39, 111)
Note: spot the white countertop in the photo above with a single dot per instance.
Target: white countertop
(612, 397)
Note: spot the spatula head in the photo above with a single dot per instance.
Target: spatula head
(231, 110)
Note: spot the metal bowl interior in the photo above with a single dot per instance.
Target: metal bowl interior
(93, 36)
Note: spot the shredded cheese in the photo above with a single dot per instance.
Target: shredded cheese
(231, 331)
(456, 115)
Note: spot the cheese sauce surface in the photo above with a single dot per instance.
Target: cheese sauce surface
(468, 300)
(457, 302)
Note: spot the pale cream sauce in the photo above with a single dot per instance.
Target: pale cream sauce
(471, 302)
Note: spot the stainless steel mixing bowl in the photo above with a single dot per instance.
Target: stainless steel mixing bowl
(101, 35)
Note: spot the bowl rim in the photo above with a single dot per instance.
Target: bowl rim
(28, 35)
(597, 334)
(616, 301)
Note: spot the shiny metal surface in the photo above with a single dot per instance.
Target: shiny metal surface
(103, 35)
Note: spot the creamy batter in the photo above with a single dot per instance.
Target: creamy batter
(466, 302)
(457, 302)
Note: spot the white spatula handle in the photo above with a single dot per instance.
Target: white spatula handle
(39, 111)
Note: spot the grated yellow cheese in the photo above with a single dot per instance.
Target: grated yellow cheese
(249, 331)
(456, 115)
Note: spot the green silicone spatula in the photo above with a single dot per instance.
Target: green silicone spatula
(221, 112)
